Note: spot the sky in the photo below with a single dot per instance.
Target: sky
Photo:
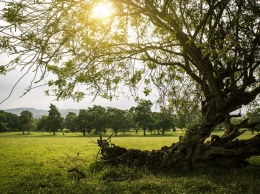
(36, 98)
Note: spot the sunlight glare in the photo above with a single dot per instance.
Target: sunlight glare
(102, 10)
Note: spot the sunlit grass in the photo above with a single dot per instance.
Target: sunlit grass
(38, 163)
(41, 161)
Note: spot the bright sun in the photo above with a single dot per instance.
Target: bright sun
(102, 10)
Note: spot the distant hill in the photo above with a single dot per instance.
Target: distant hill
(39, 112)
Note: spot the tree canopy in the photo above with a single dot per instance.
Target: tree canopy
(213, 43)
(116, 119)
(198, 55)
(26, 120)
(3, 127)
(84, 121)
(143, 114)
(70, 121)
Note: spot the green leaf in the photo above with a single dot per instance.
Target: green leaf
(147, 91)
(3, 70)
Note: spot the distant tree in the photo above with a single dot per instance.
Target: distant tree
(143, 114)
(54, 119)
(26, 121)
(41, 123)
(163, 121)
(70, 121)
(99, 119)
(12, 121)
(84, 121)
(3, 127)
(116, 119)
(130, 121)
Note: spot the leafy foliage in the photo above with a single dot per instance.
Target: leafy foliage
(188, 51)
(70, 121)
(117, 120)
(84, 121)
(8, 121)
(99, 119)
(26, 121)
(42, 123)
(143, 114)
(3, 127)
(54, 119)
(163, 121)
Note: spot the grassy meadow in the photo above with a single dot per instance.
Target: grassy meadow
(39, 163)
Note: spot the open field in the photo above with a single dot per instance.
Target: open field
(38, 163)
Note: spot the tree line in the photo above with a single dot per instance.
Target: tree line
(98, 119)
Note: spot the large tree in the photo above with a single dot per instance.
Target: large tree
(200, 53)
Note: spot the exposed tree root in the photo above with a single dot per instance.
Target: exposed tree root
(181, 156)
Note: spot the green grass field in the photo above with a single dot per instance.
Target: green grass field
(38, 163)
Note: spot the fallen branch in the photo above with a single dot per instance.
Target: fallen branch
(103, 144)
(91, 139)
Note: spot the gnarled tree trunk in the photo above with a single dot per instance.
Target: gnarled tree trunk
(193, 150)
